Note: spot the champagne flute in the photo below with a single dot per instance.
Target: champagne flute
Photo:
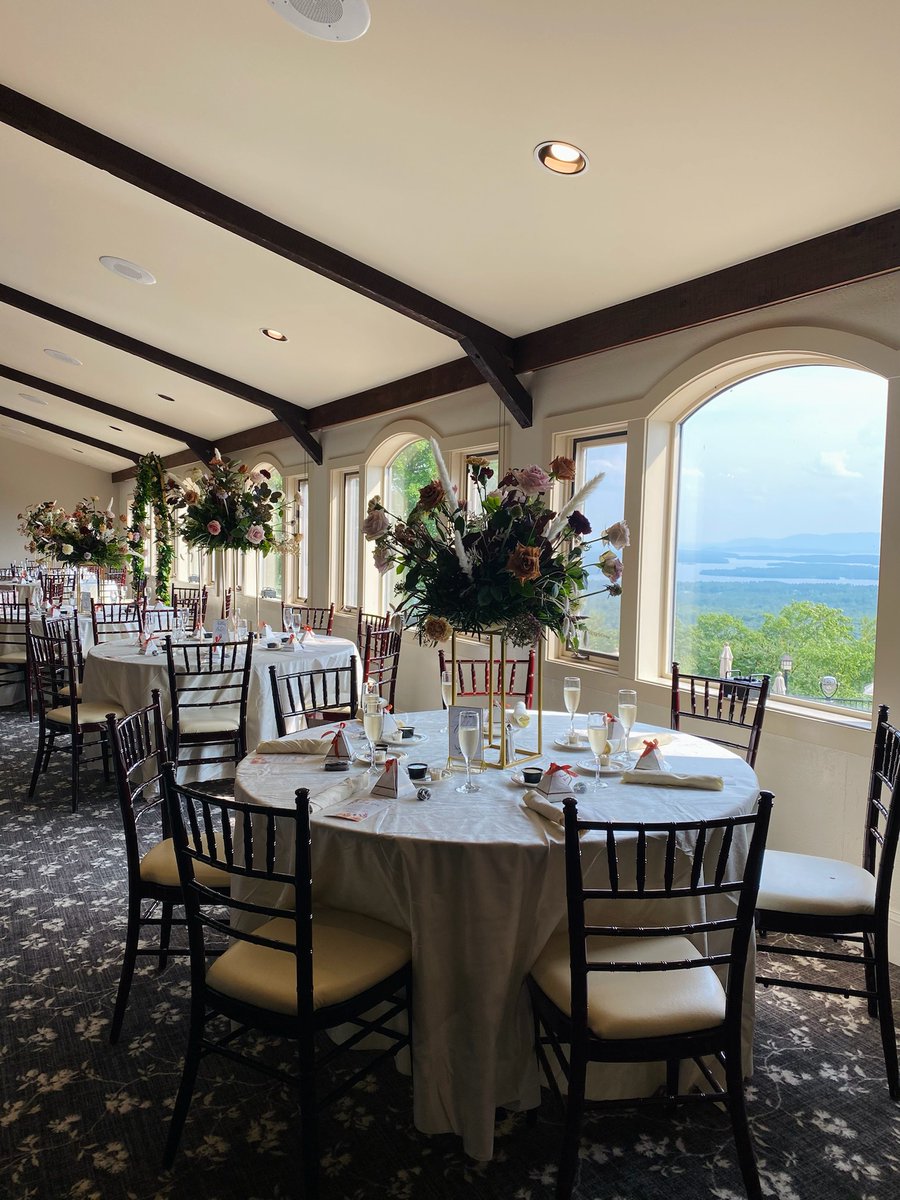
(469, 732)
(571, 698)
(597, 731)
(373, 724)
(628, 716)
(446, 693)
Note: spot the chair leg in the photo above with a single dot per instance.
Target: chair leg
(673, 1067)
(886, 1017)
(39, 755)
(737, 1109)
(76, 755)
(128, 964)
(165, 932)
(309, 1133)
(51, 740)
(568, 1162)
(104, 750)
(186, 1087)
(871, 973)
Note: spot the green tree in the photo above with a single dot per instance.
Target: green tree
(413, 467)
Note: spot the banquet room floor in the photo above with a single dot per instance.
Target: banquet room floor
(85, 1120)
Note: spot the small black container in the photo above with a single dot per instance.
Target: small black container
(417, 770)
(532, 774)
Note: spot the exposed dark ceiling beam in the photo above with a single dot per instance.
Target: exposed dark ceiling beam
(81, 141)
(10, 414)
(443, 380)
(820, 264)
(200, 447)
(162, 358)
(500, 375)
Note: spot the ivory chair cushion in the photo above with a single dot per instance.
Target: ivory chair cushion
(78, 690)
(226, 719)
(88, 714)
(803, 883)
(632, 1005)
(159, 866)
(350, 954)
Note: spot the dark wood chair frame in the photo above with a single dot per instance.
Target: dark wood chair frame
(54, 680)
(472, 676)
(189, 666)
(249, 834)
(321, 695)
(115, 619)
(15, 625)
(626, 859)
(868, 931)
(139, 750)
(381, 662)
(320, 619)
(375, 620)
(191, 598)
(725, 705)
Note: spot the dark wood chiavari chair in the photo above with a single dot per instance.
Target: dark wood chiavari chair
(114, 620)
(208, 687)
(320, 619)
(59, 628)
(317, 696)
(15, 664)
(377, 622)
(381, 662)
(727, 712)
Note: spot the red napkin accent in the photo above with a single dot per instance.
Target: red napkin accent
(554, 767)
(650, 744)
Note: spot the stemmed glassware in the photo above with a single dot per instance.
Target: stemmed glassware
(597, 731)
(628, 716)
(571, 698)
(373, 723)
(297, 622)
(469, 743)
(446, 694)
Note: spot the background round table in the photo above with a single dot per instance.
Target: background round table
(478, 880)
(117, 672)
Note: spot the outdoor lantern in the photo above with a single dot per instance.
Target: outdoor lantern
(829, 685)
(786, 664)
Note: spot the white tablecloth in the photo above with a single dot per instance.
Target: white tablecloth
(115, 671)
(478, 880)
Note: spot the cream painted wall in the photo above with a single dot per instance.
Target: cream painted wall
(28, 474)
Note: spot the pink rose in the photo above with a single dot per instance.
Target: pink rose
(617, 535)
(611, 566)
(214, 528)
(255, 534)
(382, 558)
(532, 480)
(375, 524)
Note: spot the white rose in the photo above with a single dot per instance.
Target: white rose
(66, 548)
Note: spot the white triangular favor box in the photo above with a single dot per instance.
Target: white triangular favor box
(390, 729)
(339, 748)
(557, 781)
(615, 730)
(387, 785)
(651, 758)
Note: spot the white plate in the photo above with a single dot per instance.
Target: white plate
(576, 748)
(591, 769)
(410, 741)
(364, 758)
(517, 778)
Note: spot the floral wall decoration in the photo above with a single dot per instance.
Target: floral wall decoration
(517, 566)
(151, 493)
(226, 506)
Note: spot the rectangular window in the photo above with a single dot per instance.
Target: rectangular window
(604, 453)
(350, 541)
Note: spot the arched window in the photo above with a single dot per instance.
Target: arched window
(408, 471)
(778, 530)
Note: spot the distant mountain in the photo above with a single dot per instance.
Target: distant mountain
(797, 543)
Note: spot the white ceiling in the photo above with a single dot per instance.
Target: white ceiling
(717, 130)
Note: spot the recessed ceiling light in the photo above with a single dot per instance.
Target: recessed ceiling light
(127, 270)
(33, 399)
(61, 356)
(328, 20)
(274, 334)
(561, 157)
(163, 396)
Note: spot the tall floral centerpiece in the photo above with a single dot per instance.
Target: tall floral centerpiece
(511, 567)
(42, 526)
(151, 495)
(227, 507)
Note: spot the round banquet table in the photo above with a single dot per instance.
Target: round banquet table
(117, 672)
(479, 882)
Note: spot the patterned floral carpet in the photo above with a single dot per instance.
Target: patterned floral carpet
(82, 1119)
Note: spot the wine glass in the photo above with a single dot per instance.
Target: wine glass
(373, 723)
(628, 716)
(288, 618)
(597, 731)
(571, 698)
(297, 622)
(446, 693)
(469, 730)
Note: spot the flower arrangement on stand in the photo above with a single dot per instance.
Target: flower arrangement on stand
(93, 536)
(41, 526)
(150, 492)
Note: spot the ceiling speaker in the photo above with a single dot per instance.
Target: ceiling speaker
(328, 20)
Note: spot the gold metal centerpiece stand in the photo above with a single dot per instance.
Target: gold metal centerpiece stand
(497, 751)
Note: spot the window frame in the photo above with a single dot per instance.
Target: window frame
(348, 518)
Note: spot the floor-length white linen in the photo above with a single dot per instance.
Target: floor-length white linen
(117, 672)
(478, 881)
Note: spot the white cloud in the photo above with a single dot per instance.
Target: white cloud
(835, 463)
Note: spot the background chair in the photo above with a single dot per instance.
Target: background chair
(827, 899)
(472, 676)
(208, 687)
(192, 600)
(322, 695)
(113, 620)
(652, 992)
(138, 744)
(377, 623)
(726, 712)
(58, 627)
(321, 619)
(298, 973)
(381, 662)
(62, 715)
(157, 620)
(15, 623)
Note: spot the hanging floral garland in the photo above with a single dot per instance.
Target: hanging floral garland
(150, 493)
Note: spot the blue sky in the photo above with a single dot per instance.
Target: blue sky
(799, 450)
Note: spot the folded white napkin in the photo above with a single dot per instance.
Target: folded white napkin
(708, 783)
(338, 793)
(537, 803)
(297, 745)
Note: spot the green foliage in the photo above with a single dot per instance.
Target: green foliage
(150, 494)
